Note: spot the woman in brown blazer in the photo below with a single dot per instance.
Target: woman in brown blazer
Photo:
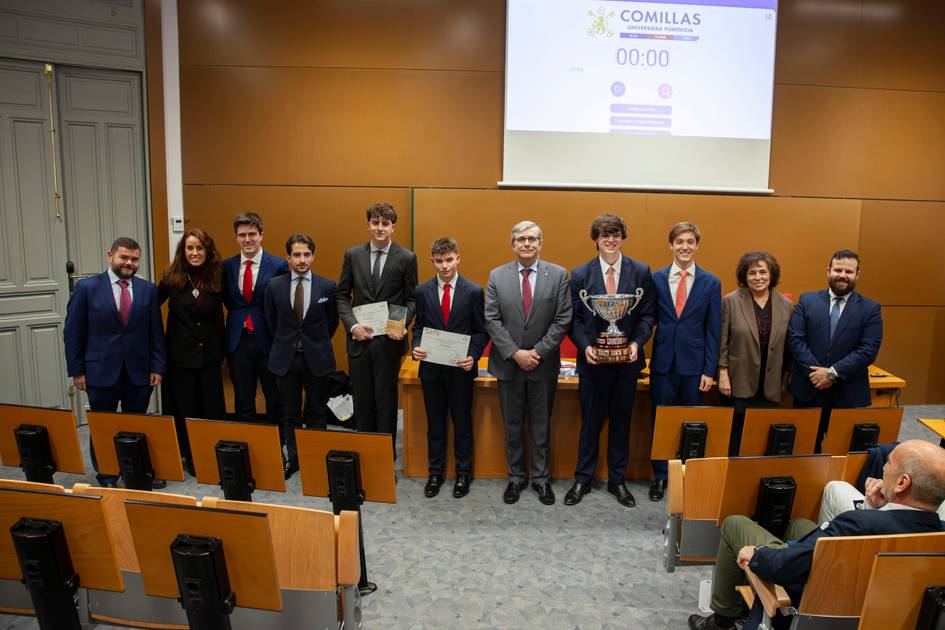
(752, 350)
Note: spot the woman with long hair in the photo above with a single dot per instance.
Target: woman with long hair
(193, 385)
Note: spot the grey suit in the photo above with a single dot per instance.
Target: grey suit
(532, 391)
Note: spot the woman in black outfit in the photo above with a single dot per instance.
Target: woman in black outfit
(193, 385)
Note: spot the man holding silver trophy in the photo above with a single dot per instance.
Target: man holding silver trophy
(614, 309)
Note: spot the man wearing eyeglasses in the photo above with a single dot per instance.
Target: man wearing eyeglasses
(528, 311)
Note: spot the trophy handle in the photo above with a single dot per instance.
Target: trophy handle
(635, 298)
(582, 295)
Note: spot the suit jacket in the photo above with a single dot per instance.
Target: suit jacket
(853, 348)
(397, 285)
(739, 349)
(637, 324)
(466, 318)
(96, 343)
(237, 308)
(790, 566)
(692, 339)
(316, 329)
(194, 337)
(547, 322)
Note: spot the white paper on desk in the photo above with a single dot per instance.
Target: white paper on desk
(373, 315)
(444, 347)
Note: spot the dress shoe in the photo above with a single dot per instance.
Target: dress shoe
(545, 494)
(189, 467)
(432, 488)
(290, 469)
(576, 493)
(158, 484)
(707, 622)
(461, 487)
(657, 489)
(512, 491)
(108, 482)
(623, 495)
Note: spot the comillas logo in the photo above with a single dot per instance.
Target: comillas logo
(639, 16)
(600, 23)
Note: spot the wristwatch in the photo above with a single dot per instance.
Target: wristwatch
(832, 374)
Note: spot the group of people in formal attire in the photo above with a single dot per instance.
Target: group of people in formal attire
(280, 319)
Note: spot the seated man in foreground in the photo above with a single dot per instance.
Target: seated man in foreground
(904, 502)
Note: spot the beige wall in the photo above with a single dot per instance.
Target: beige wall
(309, 111)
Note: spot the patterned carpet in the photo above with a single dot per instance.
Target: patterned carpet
(478, 563)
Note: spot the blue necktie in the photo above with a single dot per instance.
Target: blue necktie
(835, 315)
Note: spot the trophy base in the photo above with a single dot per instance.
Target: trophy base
(612, 348)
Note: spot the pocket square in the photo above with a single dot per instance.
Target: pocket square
(324, 299)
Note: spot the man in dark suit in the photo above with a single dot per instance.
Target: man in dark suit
(377, 271)
(454, 304)
(301, 313)
(834, 335)
(528, 311)
(114, 337)
(902, 502)
(688, 325)
(248, 339)
(608, 388)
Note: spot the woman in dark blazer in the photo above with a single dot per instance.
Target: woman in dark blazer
(752, 359)
(193, 385)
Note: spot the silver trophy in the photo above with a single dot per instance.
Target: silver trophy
(611, 346)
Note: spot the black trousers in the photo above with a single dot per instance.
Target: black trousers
(738, 418)
(611, 393)
(247, 365)
(291, 386)
(450, 395)
(374, 387)
(825, 408)
(193, 393)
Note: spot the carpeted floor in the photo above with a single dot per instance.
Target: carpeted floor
(478, 563)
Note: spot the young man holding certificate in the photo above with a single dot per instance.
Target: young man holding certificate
(373, 274)
(449, 336)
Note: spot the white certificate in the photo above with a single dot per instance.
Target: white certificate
(373, 315)
(444, 347)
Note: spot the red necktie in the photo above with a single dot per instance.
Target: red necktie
(248, 292)
(124, 302)
(445, 304)
(611, 281)
(681, 293)
(526, 292)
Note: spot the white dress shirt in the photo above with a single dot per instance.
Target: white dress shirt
(385, 251)
(604, 266)
(440, 284)
(242, 270)
(843, 300)
(116, 288)
(674, 279)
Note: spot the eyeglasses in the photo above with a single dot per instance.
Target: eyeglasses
(531, 240)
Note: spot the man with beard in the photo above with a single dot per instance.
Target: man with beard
(114, 337)
(834, 335)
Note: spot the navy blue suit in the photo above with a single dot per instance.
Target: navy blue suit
(99, 347)
(446, 389)
(686, 347)
(608, 388)
(852, 349)
(117, 361)
(301, 355)
(790, 566)
(248, 353)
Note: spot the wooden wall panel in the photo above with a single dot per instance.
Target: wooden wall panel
(901, 250)
(340, 127)
(406, 34)
(901, 45)
(801, 233)
(913, 346)
(333, 217)
(829, 142)
(817, 42)
(482, 220)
